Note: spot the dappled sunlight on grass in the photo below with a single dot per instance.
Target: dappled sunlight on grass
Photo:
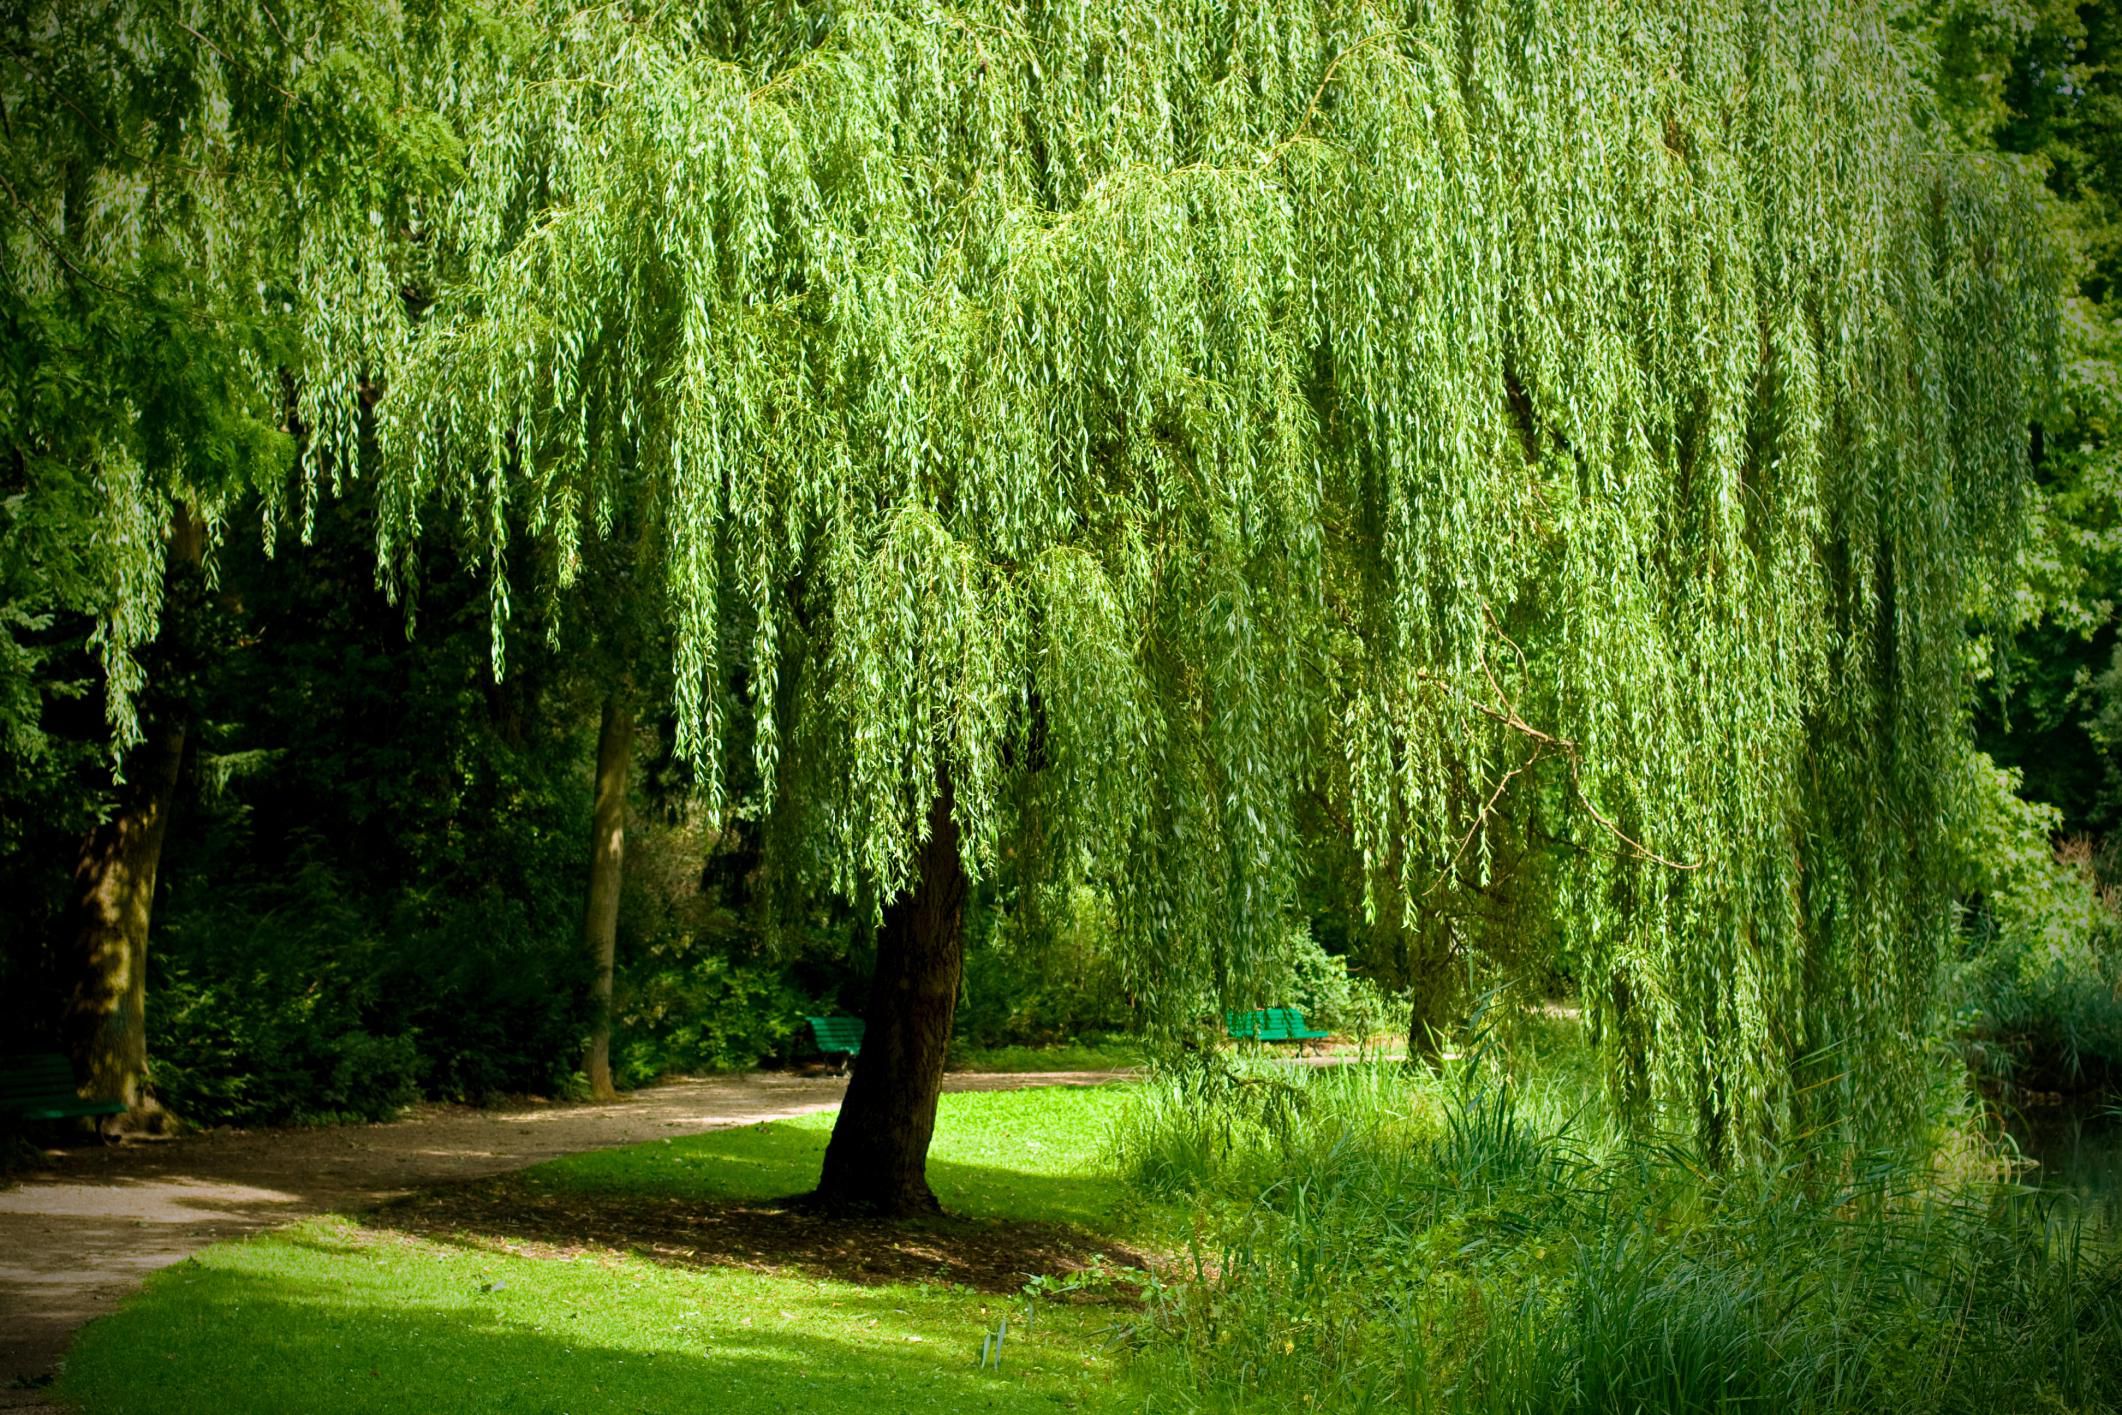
(1031, 1155)
(335, 1315)
(328, 1317)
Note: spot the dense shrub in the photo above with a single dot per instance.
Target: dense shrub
(2058, 1028)
(301, 997)
(2039, 985)
(1042, 974)
(264, 1013)
(1347, 1004)
(689, 1008)
(372, 884)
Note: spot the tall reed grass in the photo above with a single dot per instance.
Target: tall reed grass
(1366, 1238)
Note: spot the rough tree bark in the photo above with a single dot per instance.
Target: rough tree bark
(104, 1027)
(877, 1160)
(607, 861)
(1428, 969)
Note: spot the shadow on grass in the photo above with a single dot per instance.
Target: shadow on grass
(223, 1342)
(520, 1216)
(765, 1163)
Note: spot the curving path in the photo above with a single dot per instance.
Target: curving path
(77, 1238)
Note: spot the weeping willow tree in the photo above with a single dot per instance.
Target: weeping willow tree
(1072, 428)
(146, 324)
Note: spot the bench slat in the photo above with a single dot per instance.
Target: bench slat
(838, 1033)
(62, 1110)
(40, 1086)
(1292, 1022)
(1270, 1024)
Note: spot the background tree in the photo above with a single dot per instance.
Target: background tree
(617, 649)
(133, 409)
(378, 893)
(2037, 85)
(158, 160)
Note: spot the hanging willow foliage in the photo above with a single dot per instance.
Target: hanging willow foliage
(1045, 394)
(140, 314)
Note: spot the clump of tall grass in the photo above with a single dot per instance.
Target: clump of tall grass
(1367, 1238)
(2039, 983)
(2056, 1027)
(1213, 1121)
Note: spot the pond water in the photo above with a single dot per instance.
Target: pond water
(2078, 1152)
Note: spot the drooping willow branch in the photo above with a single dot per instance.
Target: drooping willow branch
(1501, 711)
(1133, 358)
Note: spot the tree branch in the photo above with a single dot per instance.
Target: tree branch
(1268, 158)
(1505, 712)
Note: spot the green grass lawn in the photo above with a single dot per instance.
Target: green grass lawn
(1035, 1155)
(339, 1315)
(1106, 1054)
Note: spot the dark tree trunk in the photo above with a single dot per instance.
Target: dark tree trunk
(607, 862)
(104, 1027)
(114, 889)
(877, 1160)
(1434, 991)
(1428, 1021)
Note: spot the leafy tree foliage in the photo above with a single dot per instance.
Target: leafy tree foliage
(1025, 398)
(2037, 84)
(379, 893)
(147, 317)
(1556, 437)
(2034, 83)
(150, 333)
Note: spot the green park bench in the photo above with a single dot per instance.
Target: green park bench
(40, 1086)
(1271, 1024)
(838, 1035)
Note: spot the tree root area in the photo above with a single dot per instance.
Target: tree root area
(770, 1236)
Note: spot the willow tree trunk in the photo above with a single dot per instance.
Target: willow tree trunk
(1434, 993)
(1429, 1018)
(877, 1160)
(104, 1027)
(607, 864)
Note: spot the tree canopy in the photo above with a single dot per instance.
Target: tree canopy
(1571, 427)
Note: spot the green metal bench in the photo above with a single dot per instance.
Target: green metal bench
(40, 1086)
(840, 1036)
(1271, 1024)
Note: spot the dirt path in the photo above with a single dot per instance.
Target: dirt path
(78, 1237)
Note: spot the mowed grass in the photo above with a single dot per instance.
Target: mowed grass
(1036, 1155)
(340, 1315)
(1107, 1054)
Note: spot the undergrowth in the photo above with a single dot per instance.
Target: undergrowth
(1366, 1238)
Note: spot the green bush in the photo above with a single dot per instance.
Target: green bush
(299, 999)
(1042, 972)
(1319, 984)
(689, 1009)
(2058, 1030)
(2039, 985)
(263, 1014)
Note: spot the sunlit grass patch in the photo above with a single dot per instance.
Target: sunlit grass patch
(331, 1316)
(342, 1315)
(1032, 1154)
